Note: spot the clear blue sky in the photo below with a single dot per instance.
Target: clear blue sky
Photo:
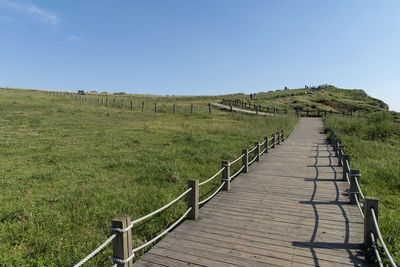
(201, 47)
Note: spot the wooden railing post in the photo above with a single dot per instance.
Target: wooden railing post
(283, 135)
(226, 175)
(257, 151)
(155, 107)
(273, 140)
(278, 137)
(345, 158)
(370, 202)
(143, 106)
(131, 105)
(193, 199)
(340, 155)
(191, 109)
(174, 109)
(266, 139)
(122, 244)
(209, 108)
(354, 174)
(245, 160)
(332, 137)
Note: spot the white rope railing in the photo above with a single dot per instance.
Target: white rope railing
(270, 146)
(97, 250)
(263, 151)
(262, 143)
(381, 239)
(378, 257)
(348, 178)
(210, 197)
(209, 179)
(359, 206)
(359, 189)
(238, 172)
(236, 160)
(251, 162)
(252, 150)
(123, 261)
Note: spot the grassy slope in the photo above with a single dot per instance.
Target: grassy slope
(68, 168)
(374, 147)
(324, 98)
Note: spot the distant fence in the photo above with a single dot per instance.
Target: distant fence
(299, 112)
(123, 253)
(254, 107)
(370, 213)
(122, 103)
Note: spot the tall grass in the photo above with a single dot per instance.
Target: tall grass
(67, 168)
(374, 146)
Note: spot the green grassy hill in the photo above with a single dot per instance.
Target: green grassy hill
(69, 166)
(325, 97)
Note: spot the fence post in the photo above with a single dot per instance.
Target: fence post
(279, 138)
(226, 175)
(273, 140)
(122, 244)
(106, 101)
(193, 199)
(332, 136)
(266, 143)
(257, 151)
(191, 109)
(155, 107)
(354, 174)
(340, 155)
(370, 203)
(307, 112)
(122, 104)
(131, 105)
(283, 135)
(245, 160)
(345, 158)
(143, 106)
(274, 111)
(174, 109)
(325, 113)
(209, 108)
(102, 100)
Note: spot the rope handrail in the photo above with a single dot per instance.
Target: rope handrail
(163, 233)
(212, 177)
(359, 206)
(236, 160)
(263, 151)
(270, 146)
(271, 139)
(347, 178)
(263, 142)
(359, 189)
(97, 250)
(252, 161)
(162, 208)
(251, 150)
(378, 257)
(213, 194)
(381, 239)
(238, 172)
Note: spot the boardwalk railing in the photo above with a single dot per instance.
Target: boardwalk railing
(368, 206)
(121, 237)
(250, 106)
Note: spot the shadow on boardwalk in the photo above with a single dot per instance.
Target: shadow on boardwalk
(291, 209)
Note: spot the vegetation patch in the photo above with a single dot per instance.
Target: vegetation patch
(68, 167)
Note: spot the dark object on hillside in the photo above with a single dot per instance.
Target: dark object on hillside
(286, 88)
(81, 92)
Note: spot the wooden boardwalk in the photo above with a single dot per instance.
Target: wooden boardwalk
(291, 209)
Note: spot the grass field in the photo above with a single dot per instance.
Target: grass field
(69, 167)
(374, 146)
